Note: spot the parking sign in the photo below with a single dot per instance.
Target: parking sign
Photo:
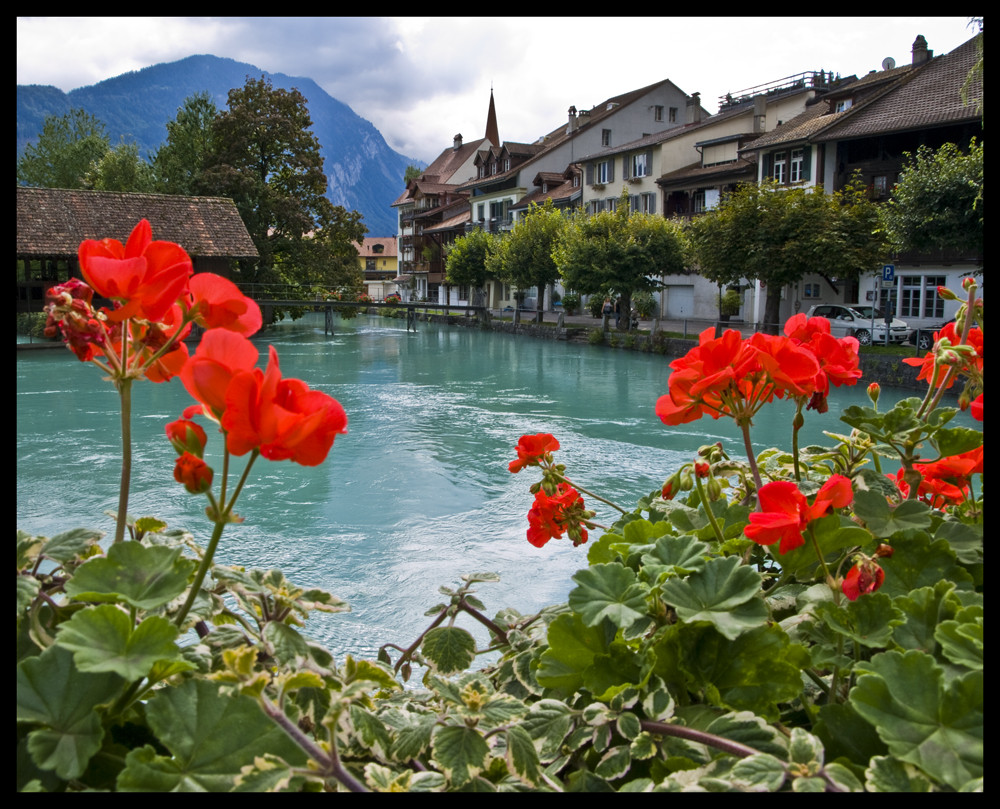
(888, 272)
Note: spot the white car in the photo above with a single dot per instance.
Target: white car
(855, 319)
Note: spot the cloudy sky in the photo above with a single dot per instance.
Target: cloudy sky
(422, 80)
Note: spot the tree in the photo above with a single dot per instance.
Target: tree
(327, 258)
(67, 147)
(181, 161)
(938, 202)
(470, 259)
(526, 260)
(619, 252)
(266, 159)
(777, 236)
(411, 173)
(121, 169)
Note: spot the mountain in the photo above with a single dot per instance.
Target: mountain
(364, 174)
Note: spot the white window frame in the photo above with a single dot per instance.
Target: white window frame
(640, 167)
(601, 172)
(797, 163)
(779, 168)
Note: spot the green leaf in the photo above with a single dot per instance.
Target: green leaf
(759, 773)
(884, 520)
(615, 763)
(142, 577)
(869, 621)
(920, 562)
(921, 610)
(572, 646)
(51, 691)
(460, 751)
(70, 545)
(673, 556)
(211, 734)
(925, 721)
(887, 774)
(608, 591)
(548, 722)
(522, 758)
(723, 593)
(103, 639)
(284, 642)
(27, 590)
(450, 649)
(956, 440)
(961, 643)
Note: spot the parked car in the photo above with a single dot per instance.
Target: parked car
(923, 337)
(855, 319)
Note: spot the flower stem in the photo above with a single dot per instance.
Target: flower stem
(124, 386)
(750, 457)
(708, 509)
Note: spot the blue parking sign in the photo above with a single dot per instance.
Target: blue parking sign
(888, 272)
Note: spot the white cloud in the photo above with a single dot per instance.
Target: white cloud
(422, 80)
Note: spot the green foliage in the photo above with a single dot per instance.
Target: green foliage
(121, 169)
(526, 259)
(67, 147)
(778, 235)
(617, 253)
(180, 163)
(469, 258)
(938, 202)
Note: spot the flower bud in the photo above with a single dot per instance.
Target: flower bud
(701, 469)
(194, 473)
(187, 436)
(874, 389)
(714, 489)
(686, 482)
(969, 283)
(883, 551)
(946, 294)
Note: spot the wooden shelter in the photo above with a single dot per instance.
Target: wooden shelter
(51, 223)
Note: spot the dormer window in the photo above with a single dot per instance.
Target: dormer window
(843, 104)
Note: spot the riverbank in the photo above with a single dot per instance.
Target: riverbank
(652, 337)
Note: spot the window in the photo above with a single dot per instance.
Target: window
(673, 115)
(658, 113)
(602, 173)
(843, 104)
(698, 201)
(640, 167)
(605, 137)
(780, 168)
(810, 290)
(611, 203)
(795, 171)
(880, 185)
(642, 203)
(918, 296)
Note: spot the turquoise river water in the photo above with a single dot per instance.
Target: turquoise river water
(417, 493)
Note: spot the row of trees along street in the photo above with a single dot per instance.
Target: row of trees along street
(260, 152)
(757, 233)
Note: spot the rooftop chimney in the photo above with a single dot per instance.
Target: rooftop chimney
(921, 53)
(458, 141)
(693, 113)
(573, 124)
(759, 113)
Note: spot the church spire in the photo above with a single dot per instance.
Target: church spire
(491, 123)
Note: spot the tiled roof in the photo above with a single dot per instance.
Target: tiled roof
(53, 221)
(452, 222)
(931, 97)
(696, 173)
(440, 172)
(367, 248)
(799, 128)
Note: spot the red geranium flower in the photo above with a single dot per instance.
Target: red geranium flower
(553, 515)
(976, 408)
(282, 417)
(950, 332)
(864, 577)
(785, 513)
(147, 277)
(219, 357)
(186, 436)
(220, 304)
(531, 449)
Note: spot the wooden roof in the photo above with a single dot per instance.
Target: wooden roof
(53, 222)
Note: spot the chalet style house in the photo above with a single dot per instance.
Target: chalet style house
(379, 262)
(51, 223)
(812, 129)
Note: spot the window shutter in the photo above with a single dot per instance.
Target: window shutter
(652, 203)
(625, 167)
(590, 174)
(649, 163)
(806, 162)
(768, 161)
(611, 171)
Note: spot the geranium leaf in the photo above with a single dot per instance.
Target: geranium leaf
(884, 520)
(925, 721)
(211, 735)
(674, 556)
(104, 639)
(70, 545)
(920, 562)
(723, 592)
(141, 577)
(449, 649)
(608, 591)
(52, 691)
(868, 621)
(961, 643)
(956, 440)
(572, 646)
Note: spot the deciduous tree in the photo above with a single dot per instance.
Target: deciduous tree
(66, 148)
(470, 259)
(526, 260)
(181, 161)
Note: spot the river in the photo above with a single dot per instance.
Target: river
(418, 492)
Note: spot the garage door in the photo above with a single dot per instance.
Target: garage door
(680, 301)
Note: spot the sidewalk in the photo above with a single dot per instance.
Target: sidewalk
(690, 328)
